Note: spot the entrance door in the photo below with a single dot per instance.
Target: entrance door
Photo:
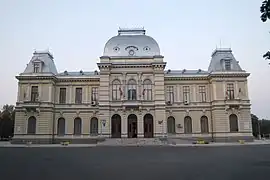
(148, 126)
(132, 126)
(116, 126)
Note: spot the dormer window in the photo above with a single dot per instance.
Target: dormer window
(227, 64)
(36, 67)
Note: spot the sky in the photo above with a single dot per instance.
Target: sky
(187, 31)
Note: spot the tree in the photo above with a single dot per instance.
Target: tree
(7, 118)
(255, 125)
(265, 15)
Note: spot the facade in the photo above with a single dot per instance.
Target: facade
(131, 95)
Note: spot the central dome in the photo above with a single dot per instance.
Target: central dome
(130, 43)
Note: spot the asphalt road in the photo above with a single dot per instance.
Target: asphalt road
(130, 163)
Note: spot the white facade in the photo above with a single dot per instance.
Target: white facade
(133, 96)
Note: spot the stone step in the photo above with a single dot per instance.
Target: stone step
(131, 141)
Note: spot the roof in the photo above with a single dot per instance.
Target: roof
(131, 42)
(184, 72)
(46, 58)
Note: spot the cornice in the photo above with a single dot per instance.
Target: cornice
(185, 78)
(36, 78)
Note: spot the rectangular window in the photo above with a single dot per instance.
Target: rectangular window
(34, 93)
(62, 96)
(202, 93)
(36, 67)
(132, 94)
(227, 63)
(116, 92)
(78, 96)
(147, 92)
(186, 93)
(170, 94)
(94, 95)
(230, 91)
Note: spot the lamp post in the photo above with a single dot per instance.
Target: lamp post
(103, 124)
(161, 123)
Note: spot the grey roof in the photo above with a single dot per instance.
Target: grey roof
(217, 61)
(79, 74)
(46, 58)
(184, 72)
(131, 39)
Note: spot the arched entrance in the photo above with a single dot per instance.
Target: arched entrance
(116, 126)
(132, 126)
(94, 126)
(171, 125)
(233, 123)
(61, 127)
(31, 126)
(148, 126)
(188, 125)
(204, 125)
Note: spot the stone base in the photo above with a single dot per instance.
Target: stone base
(56, 141)
(181, 140)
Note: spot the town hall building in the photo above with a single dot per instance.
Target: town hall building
(131, 95)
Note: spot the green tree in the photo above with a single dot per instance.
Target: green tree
(255, 125)
(7, 118)
(265, 15)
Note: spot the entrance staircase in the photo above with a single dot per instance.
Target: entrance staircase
(132, 142)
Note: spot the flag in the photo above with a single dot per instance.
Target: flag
(121, 93)
(227, 95)
(143, 92)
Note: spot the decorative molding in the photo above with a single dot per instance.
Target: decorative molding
(170, 111)
(78, 113)
(61, 113)
(187, 112)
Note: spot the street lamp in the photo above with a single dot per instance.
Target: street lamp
(161, 123)
(103, 124)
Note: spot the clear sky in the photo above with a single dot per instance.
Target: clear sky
(75, 31)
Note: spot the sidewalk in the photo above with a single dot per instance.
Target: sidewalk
(7, 144)
(256, 142)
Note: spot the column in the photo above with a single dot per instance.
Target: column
(19, 92)
(194, 93)
(28, 94)
(87, 94)
(70, 95)
(50, 93)
(140, 128)
(139, 93)
(236, 91)
(178, 99)
(40, 92)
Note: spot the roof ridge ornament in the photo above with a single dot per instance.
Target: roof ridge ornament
(131, 31)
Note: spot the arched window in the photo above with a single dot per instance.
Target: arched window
(116, 126)
(61, 127)
(204, 124)
(171, 125)
(94, 126)
(233, 123)
(116, 90)
(188, 125)
(132, 89)
(31, 126)
(77, 126)
(147, 90)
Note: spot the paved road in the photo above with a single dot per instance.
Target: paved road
(130, 163)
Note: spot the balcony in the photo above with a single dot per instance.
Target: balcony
(132, 103)
(31, 106)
